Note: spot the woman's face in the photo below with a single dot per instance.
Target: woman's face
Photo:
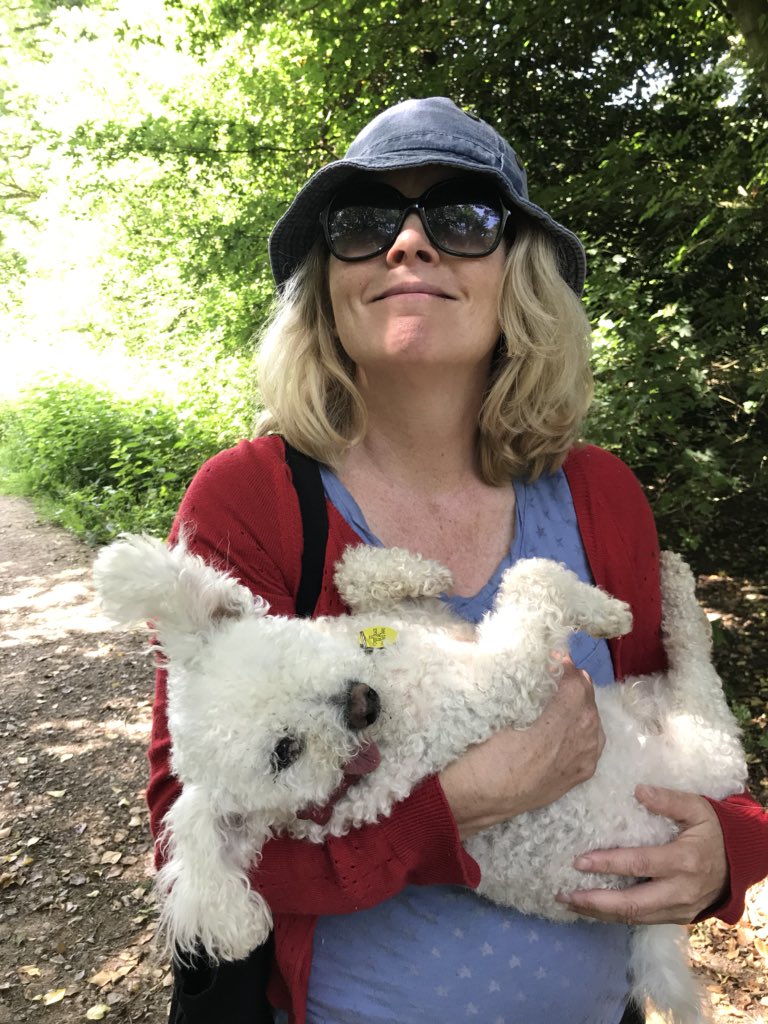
(414, 304)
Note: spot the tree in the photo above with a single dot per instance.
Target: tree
(751, 18)
(642, 128)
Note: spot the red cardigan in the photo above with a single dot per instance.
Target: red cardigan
(245, 518)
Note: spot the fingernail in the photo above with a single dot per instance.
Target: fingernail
(583, 863)
(646, 792)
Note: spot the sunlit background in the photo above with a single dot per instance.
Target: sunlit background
(149, 147)
(68, 234)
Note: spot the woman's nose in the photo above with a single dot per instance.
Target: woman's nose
(412, 243)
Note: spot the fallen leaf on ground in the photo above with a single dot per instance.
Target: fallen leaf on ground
(54, 997)
(97, 1012)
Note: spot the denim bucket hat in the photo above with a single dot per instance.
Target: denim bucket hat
(412, 134)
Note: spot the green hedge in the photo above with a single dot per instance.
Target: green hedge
(98, 464)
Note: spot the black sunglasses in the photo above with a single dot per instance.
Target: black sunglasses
(461, 216)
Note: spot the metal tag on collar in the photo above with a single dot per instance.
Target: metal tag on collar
(376, 638)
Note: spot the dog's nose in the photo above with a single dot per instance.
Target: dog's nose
(363, 705)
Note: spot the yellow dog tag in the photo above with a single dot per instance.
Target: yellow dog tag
(376, 637)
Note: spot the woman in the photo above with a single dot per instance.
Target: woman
(430, 351)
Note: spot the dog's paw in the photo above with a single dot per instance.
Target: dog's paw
(138, 579)
(610, 618)
(245, 927)
(227, 922)
(235, 937)
(368, 577)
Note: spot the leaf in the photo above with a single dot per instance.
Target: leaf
(106, 977)
(97, 1012)
(102, 978)
(54, 996)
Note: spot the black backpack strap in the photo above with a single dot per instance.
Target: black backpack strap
(309, 489)
(231, 991)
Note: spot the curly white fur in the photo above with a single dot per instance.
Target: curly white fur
(669, 729)
(258, 732)
(240, 680)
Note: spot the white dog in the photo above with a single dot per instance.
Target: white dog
(671, 729)
(263, 713)
(258, 732)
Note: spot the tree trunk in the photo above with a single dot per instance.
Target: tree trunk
(751, 17)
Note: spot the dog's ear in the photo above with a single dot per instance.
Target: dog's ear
(371, 578)
(139, 579)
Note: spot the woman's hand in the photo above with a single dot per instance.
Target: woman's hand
(518, 770)
(684, 877)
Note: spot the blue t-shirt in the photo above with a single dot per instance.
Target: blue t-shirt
(443, 954)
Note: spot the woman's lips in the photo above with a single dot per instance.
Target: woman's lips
(416, 288)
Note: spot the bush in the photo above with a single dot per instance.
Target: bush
(98, 464)
(687, 425)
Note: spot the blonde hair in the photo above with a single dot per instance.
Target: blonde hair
(539, 388)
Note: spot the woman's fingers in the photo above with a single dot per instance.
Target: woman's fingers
(682, 878)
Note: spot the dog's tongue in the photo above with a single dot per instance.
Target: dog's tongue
(367, 759)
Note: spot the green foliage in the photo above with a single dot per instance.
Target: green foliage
(101, 464)
(172, 137)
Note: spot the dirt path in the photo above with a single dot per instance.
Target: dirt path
(76, 906)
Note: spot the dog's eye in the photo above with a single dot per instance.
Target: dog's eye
(288, 750)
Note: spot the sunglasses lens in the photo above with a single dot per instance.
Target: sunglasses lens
(463, 219)
(362, 222)
(462, 216)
